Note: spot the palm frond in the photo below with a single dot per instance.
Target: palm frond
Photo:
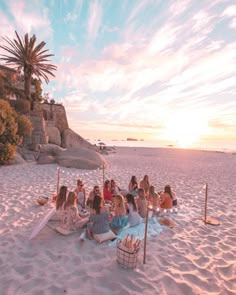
(24, 53)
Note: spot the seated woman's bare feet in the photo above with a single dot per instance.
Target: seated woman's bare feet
(88, 234)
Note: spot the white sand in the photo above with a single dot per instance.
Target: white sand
(190, 259)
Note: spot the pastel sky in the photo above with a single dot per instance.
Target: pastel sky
(158, 70)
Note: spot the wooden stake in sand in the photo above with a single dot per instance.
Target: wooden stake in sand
(145, 234)
(206, 196)
(58, 179)
(208, 220)
(103, 174)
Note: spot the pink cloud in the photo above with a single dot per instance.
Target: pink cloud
(230, 11)
(233, 23)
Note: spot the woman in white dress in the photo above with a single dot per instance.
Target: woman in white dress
(133, 216)
(81, 195)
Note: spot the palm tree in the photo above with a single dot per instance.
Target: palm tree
(29, 57)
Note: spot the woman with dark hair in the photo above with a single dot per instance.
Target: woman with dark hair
(166, 198)
(92, 194)
(107, 193)
(98, 221)
(133, 217)
(133, 186)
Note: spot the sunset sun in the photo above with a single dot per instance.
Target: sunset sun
(185, 129)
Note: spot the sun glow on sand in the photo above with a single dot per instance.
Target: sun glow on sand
(186, 128)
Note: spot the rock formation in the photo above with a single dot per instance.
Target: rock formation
(52, 141)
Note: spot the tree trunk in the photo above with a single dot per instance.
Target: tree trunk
(27, 78)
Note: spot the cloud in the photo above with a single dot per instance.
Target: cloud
(232, 24)
(28, 17)
(72, 37)
(94, 19)
(180, 61)
(230, 11)
(110, 29)
(178, 7)
(190, 77)
(70, 17)
(138, 9)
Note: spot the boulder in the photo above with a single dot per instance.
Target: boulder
(46, 159)
(17, 159)
(70, 139)
(28, 156)
(80, 158)
(54, 135)
(51, 149)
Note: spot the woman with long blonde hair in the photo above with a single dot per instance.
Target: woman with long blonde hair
(72, 219)
(119, 220)
(61, 198)
(60, 203)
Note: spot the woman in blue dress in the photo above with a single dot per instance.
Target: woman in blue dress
(119, 220)
(98, 221)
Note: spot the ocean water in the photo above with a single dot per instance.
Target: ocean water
(221, 146)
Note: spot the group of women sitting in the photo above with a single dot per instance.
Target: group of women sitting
(115, 209)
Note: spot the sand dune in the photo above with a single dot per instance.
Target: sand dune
(189, 259)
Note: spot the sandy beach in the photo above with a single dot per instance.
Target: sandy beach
(191, 258)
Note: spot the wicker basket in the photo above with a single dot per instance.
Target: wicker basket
(125, 258)
(42, 201)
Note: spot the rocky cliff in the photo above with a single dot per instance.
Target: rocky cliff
(52, 141)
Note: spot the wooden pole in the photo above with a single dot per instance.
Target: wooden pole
(103, 175)
(145, 235)
(206, 195)
(58, 180)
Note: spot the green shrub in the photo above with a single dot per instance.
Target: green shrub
(7, 152)
(22, 106)
(24, 126)
(9, 138)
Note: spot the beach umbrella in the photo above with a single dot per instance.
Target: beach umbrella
(41, 224)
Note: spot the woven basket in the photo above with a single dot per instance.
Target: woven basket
(42, 201)
(126, 259)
